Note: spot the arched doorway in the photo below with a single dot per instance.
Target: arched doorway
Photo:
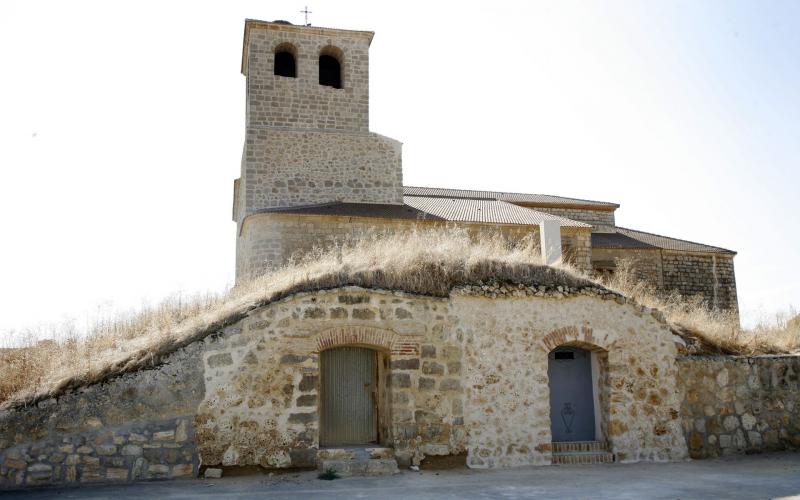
(349, 396)
(572, 395)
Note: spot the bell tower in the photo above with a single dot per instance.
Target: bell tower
(307, 139)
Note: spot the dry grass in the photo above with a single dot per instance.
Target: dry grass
(424, 262)
(708, 331)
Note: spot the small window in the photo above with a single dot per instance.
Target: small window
(285, 64)
(330, 71)
(564, 355)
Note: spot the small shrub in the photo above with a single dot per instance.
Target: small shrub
(329, 475)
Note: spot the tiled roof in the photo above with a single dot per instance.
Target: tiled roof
(668, 243)
(617, 240)
(486, 211)
(435, 209)
(541, 199)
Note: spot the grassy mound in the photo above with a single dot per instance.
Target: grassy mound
(422, 262)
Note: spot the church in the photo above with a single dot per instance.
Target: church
(312, 172)
(354, 372)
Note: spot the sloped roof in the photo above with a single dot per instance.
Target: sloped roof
(435, 209)
(617, 240)
(668, 243)
(485, 211)
(540, 199)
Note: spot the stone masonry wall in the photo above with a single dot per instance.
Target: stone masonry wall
(301, 102)
(284, 168)
(740, 405)
(646, 264)
(136, 426)
(710, 276)
(603, 219)
(270, 239)
(465, 375)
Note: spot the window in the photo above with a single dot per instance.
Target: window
(330, 71)
(285, 64)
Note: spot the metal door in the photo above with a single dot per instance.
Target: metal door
(571, 395)
(347, 398)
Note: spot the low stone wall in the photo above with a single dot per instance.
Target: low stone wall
(146, 450)
(135, 426)
(740, 404)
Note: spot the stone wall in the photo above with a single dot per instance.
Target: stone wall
(740, 405)
(301, 102)
(600, 219)
(136, 426)
(283, 168)
(466, 374)
(645, 263)
(710, 276)
(270, 239)
(463, 375)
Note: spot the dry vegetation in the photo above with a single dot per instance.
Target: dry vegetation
(425, 262)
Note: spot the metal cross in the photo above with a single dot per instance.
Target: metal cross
(306, 12)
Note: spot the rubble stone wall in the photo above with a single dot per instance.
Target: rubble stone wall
(135, 426)
(740, 404)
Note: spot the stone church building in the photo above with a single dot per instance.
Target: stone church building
(531, 367)
(312, 171)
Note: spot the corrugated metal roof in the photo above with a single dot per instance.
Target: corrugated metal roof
(617, 240)
(435, 209)
(668, 243)
(544, 199)
(485, 211)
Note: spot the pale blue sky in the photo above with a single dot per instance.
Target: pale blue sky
(121, 129)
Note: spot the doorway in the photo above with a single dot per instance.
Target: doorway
(572, 401)
(348, 396)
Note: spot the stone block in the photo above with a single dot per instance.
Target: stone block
(307, 400)
(428, 351)
(302, 418)
(106, 449)
(427, 384)
(432, 368)
(131, 450)
(400, 380)
(309, 383)
(182, 470)
(182, 431)
(405, 364)
(116, 474)
(450, 384)
(157, 471)
(164, 436)
(220, 360)
(212, 473)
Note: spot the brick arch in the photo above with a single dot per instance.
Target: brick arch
(375, 338)
(572, 335)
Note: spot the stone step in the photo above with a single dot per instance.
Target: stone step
(369, 467)
(354, 453)
(579, 446)
(582, 458)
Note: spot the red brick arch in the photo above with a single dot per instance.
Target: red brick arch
(574, 335)
(376, 338)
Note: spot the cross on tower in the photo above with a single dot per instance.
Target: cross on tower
(306, 12)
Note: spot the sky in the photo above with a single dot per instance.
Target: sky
(121, 130)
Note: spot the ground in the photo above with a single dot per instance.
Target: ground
(757, 476)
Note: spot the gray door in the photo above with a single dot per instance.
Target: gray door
(347, 397)
(571, 396)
